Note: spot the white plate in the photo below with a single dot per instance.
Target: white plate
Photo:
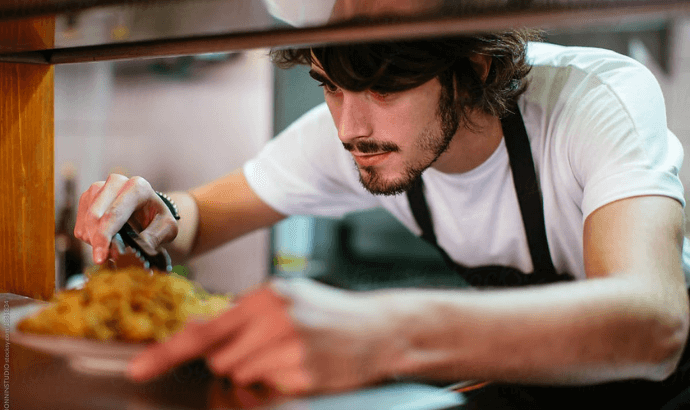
(83, 355)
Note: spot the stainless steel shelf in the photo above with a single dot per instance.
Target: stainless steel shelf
(571, 15)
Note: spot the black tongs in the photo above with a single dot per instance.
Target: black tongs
(151, 258)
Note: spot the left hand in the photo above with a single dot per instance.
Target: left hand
(294, 335)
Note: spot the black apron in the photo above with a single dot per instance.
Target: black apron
(529, 198)
(635, 392)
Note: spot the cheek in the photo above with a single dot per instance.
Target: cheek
(334, 108)
(403, 124)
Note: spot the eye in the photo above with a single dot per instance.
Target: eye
(330, 88)
(380, 95)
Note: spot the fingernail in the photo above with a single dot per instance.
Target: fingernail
(101, 255)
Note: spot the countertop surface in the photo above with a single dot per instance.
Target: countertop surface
(36, 379)
(39, 380)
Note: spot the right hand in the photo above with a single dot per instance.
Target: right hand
(107, 205)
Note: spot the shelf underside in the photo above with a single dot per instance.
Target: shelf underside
(258, 29)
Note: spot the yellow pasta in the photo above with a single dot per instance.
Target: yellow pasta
(129, 304)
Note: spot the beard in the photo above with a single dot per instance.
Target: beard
(431, 142)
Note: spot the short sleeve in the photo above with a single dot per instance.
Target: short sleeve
(619, 145)
(306, 171)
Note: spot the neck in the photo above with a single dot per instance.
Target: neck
(470, 148)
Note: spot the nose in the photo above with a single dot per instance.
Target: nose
(354, 119)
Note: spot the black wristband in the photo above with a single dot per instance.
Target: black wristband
(170, 204)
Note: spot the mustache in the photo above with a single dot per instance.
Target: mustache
(371, 147)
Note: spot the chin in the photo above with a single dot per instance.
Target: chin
(378, 184)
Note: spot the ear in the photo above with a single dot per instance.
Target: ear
(481, 64)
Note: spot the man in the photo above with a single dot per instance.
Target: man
(526, 165)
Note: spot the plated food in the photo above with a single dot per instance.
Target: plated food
(129, 305)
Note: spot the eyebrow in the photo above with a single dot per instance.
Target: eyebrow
(319, 77)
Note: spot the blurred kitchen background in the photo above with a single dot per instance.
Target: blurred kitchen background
(182, 121)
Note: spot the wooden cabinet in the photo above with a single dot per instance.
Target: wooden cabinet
(27, 223)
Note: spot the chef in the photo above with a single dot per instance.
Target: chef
(545, 175)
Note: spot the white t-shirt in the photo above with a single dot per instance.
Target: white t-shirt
(597, 127)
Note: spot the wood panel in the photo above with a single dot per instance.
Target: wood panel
(27, 216)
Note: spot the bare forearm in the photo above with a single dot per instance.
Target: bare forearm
(218, 212)
(576, 333)
(188, 224)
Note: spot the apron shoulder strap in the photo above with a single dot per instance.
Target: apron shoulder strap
(528, 193)
(420, 211)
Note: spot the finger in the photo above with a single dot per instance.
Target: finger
(286, 354)
(85, 201)
(262, 299)
(292, 381)
(107, 194)
(162, 229)
(134, 193)
(259, 334)
(102, 201)
(198, 338)
(266, 320)
(159, 358)
(191, 342)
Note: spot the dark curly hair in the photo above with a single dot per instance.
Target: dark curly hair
(393, 66)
